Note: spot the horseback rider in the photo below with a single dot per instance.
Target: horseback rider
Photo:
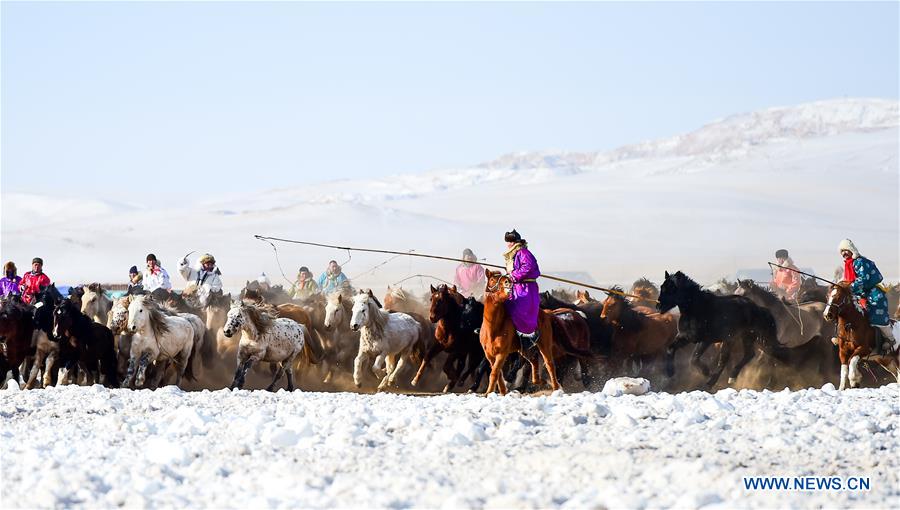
(34, 281)
(305, 286)
(523, 305)
(207, 276)
(135, 281)
(332, 278)
(10, 282)
(785, 282)
(155, 277)
(469, 278)
(864, 278)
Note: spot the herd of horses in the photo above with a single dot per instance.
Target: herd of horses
(349, 339)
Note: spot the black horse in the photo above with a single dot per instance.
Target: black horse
(470, 320)
(85, 344)
(707, 319)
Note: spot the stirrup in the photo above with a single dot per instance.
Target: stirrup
(529, 340)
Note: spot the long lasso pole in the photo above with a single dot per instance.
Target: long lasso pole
(801, 272)
(440, 257)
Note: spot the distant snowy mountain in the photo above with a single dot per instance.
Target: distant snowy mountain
(731, 137)
(709, 202)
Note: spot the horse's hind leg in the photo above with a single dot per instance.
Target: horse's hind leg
(279, 372)
(551, 368)
(724, 355)
(391, 364)
(698, 353)
(746, 356)
(483, 367)
(39, 361)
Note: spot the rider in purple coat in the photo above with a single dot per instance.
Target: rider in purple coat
(9, 284)
(524, 301)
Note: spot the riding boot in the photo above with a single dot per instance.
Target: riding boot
(887, 339)
(529, 340)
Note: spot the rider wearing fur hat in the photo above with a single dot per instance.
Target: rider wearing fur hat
(207, 276)
(785, 282)
(864, 278)
(524, 301)
(34, 280)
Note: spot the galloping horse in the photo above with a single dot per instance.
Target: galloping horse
(637, 335)
(707, 319)
(158, 337)
(857, 338)
(343, 342)
(84, 343)
(265, 338)
(460, 344)
(16, 329)
(393, 338)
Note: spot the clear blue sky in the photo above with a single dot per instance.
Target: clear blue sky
(97, 97)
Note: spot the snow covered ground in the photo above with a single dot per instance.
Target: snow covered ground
(89, 447)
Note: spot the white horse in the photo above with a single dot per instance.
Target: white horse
(344, 342)
(265, 338)
(392, 338)
(158, 337)
(95, 304)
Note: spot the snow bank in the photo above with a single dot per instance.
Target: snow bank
(92, 447)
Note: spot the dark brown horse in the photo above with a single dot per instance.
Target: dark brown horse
(856, 337)
(638, 336)
(16, 328)
(461, 345)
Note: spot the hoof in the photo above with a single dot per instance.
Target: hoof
(731, 380)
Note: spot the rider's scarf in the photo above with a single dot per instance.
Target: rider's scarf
(510, 256)
(849, 272)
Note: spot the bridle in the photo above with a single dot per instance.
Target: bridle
(501, 280)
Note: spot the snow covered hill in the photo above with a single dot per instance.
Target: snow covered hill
(708, 202)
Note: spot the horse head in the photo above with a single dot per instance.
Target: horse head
(839, 298)
(235, 320)
(677, 289)
(334, 310)
(440, 302)
(363, 304)
(118, 317)
(497, 284)
(64, 316)
(472, 314)
(613, 306)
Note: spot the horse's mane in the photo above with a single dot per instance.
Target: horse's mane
(644, 288)
(377, 318)
(631, 318)
(262, 317)
(95, 288)
(218, 299)
(685, 281)
(156, 316)
(753, 286)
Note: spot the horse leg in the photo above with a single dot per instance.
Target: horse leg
(547, 354)
(401, 362)
(483, 367)
(426, 362)
(49, 365)
(361, 358)
(289, 371)
(680, 341)
(40, 359)
(698, 363)
(495, 372)
(746, 356)
(141, 375)
(501, 382)
(278, 373)
(391, 364)
(724, 355)
(855, 374)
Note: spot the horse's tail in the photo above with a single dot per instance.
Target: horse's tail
(208, 349)
(312, 348)
(561, 338)
(189, 369)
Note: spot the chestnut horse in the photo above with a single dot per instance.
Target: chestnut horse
(856, 337)
(498, 335)
(638, 335)
(16, 329)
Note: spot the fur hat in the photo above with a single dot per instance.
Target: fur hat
(9, 266)
(512, 237)
(37, 260)
(133, 270)
(152, 257)
(848, 245)
(207, 258)
(303, 269)
(781, 254)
